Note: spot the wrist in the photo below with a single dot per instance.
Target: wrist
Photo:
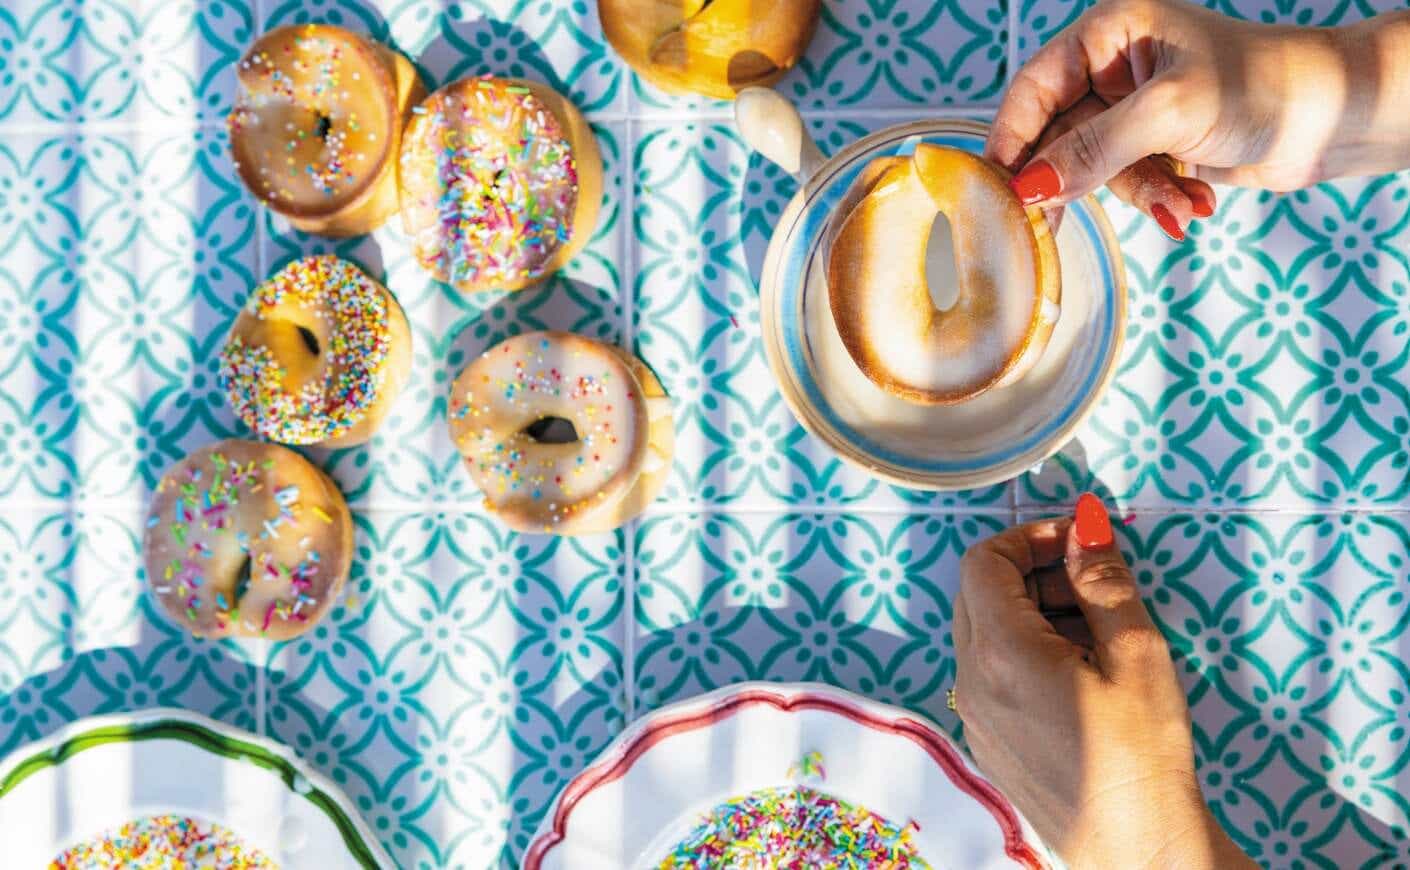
(1165, 828)
(1374, 134)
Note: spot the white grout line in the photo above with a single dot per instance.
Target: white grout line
(262, 688)
(93, 506)
(148, 126)
(628, 294)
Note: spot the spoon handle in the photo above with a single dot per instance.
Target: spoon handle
(772, 126)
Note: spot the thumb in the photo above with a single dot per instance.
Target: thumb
(1096, 149)
(1123, 634)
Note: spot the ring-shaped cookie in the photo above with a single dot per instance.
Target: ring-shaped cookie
(318, 355)
(1009, 284)
(247, 539)
(317, 123)
(593, 482)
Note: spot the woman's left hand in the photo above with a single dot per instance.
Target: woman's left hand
(1092, 745)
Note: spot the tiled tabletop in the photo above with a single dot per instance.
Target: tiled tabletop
(1258, 434)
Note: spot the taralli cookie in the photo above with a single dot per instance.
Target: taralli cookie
(505, 406)
(500, 183)
(711, 47)
(318, 354)
(1006, 271)
(247, 539)
(316, 126)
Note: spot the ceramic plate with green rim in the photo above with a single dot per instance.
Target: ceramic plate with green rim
(98, 774)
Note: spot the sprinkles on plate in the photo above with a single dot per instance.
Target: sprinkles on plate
(489, 183)
(338, 300)
(794, 828)
(164, 843)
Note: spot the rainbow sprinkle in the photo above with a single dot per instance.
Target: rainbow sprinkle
(352, 368)
(794, 828)
(810, 766)
(164, 843)
(489, 183)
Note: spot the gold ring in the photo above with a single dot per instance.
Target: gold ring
(950, 699)
(1176, 166)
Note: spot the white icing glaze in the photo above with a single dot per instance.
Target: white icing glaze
(535, 486)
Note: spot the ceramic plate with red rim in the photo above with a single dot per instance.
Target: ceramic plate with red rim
(674, 777)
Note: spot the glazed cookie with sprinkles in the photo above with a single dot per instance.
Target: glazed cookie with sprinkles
(500, 183)
(247, 539)
(316, 126)
(563, 434)
(318, 354)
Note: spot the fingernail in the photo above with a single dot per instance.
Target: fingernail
(1200, 204)
(1038, 181)
(1167, 222)
(1093, 524)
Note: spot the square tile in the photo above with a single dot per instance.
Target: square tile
(862, 602)
(124, 258)
(71, 63)
(467, 675)
(1040, 20)
(1265, 359)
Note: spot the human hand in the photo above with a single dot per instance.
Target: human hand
(1236, 102)
(1092, 745)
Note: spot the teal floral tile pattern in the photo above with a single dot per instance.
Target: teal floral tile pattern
(75, 62)
(81, 639)
(1041, 20)
(1254, 378)
(469, 673)
(1258, 436)
(862, 602)
(125, 255)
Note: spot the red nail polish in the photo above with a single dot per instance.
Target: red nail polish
(1093, 524)
(1038, 181)
(1167, 222)
(1201, 205)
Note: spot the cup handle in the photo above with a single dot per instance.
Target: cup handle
(770, 123)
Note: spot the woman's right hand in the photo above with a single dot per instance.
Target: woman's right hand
(1236, 102)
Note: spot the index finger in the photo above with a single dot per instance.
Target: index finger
(1089, 56)
(992, 572)
(1052, 81)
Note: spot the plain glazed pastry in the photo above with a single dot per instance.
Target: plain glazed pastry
(317, 355)
(317, 123)
(1006, 272)
(500, 183)
(247, 539)
(610, 466)
(711, 47)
